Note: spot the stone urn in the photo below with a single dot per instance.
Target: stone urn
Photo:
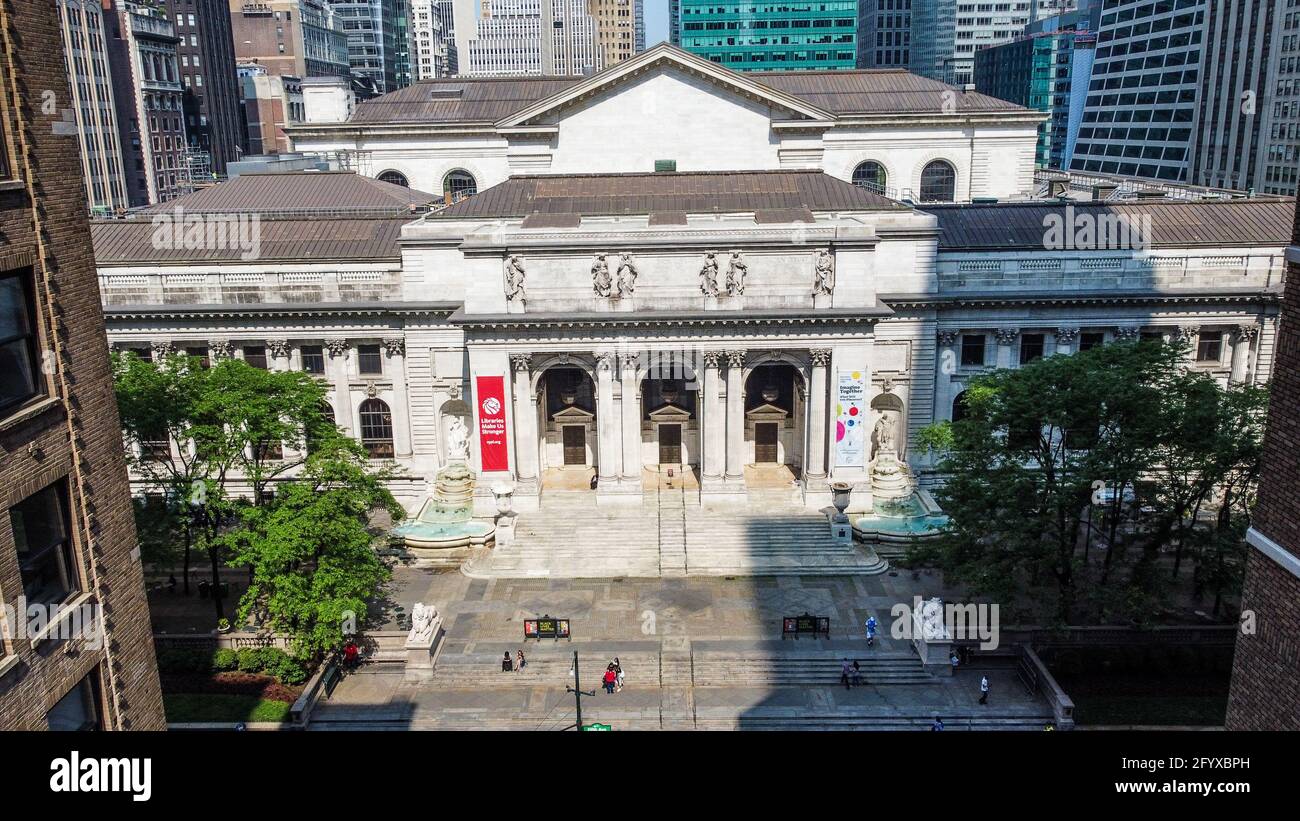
(504, 494)
(840, 492)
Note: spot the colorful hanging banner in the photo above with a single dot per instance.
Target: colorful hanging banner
(494, 452)
(851, 420)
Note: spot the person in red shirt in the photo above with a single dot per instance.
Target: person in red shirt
(610, 679)
(350, 653)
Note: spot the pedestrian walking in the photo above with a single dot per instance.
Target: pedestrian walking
(871, 631)
(937, 725)
(610, 679)
(520, 661)
(506, 664)
(955, 661)
(857, 672)
(984, 690)
(618, 674)
(846, 670)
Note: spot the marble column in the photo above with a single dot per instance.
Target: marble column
(395, 349)
(338, 364)
(714, 443)
(1190, 335)
(948, 359)
(630, 407)
(1006, 338)
(525, 419)
(736, 416)
(1242, 337)
(1065, 339)
(818, 404)
(609, 455)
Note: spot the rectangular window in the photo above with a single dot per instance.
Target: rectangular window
(1031, 348)
(972, 350)
(81, 709)
(18, 340)
(368, 360)
(255, 355)
(1209, 347)
(200, 354)
(1091, 340)
(42, 533)
(313, 359)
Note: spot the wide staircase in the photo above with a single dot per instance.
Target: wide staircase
(671, 534)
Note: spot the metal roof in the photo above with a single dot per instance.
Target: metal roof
(122, 242)
(1226, 223)
(292, 193)
(796, 191)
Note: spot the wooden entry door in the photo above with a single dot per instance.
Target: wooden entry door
(765, 438)
(670, 444)
(575, 444)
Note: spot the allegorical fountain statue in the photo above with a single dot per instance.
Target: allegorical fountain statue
(446, 519)
(888, 477)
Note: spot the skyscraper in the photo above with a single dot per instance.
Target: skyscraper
(92, 113)
(300, 38)
(76, 645)
(619, 24)
(1143, 95)
(373, 39)
(526, 37)
(791, 37)
(206, 54)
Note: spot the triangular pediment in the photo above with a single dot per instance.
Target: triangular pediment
(573, 413)
(767, 412)
(664, 57)
(670, 413)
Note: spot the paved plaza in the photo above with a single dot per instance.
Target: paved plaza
(699, 653)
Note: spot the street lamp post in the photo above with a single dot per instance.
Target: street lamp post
(577, 691)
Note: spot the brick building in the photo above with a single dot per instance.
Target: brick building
(67, 538)
(1265, 691)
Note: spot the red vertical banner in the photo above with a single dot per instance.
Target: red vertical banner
(494, 453)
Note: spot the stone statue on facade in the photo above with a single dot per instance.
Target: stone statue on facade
(626, 275)
(825, 272)
(736, 270)
(514, 277)
(885, 433)
(422, 617)
(709, 274)
(457, 440)
(600, 279)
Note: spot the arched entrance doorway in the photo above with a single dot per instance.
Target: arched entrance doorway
(670, 430)
(774, 425)
(568, 449)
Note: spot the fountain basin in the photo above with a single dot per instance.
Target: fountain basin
(898, 521)
(444, 530)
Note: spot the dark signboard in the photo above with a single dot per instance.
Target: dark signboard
(806, 625)
(546, 628)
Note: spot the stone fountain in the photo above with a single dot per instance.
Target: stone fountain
(901, 512)
(444, 528)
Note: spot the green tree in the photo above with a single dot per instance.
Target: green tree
(1070, 475)
(203, 435)
(314, 567)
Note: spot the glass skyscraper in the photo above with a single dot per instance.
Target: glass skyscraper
(751, 35)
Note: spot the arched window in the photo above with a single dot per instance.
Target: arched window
(377, 429)
(938, 182)
(319, 427)
(871, 176)
(959, 409)
(395, 178)
(458, 185)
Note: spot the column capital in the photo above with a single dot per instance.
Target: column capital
(712, 359)
(521, 361)
(162, 347)
(605, 361)
(1128, 333)
(221, 348)
(336, 347)
(629, 361)
(395, 345)
(1245, 332)
(1067, 335)
(735, 359)
(1006, 336)
(821, 357)
(947, 337)
(1187, 332)
(278, 348)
